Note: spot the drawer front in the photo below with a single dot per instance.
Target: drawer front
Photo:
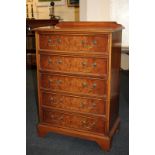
(78, 104)
(70, 120)
(73, 64)
(94, 43)
(73, 84)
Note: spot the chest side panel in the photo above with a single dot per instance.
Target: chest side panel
(115, 76)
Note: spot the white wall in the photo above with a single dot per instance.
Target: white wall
(97, 10)
(107, 10)
(83, 10)
(119, 11)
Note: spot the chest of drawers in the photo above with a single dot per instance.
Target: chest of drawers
(78, 79)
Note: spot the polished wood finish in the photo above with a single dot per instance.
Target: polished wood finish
(74, 121)
(74, 103)
(96, 43)
(73, 84)
(115, 76)
(78, 67)
(76, 64)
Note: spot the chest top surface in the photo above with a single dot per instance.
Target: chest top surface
(102, 27)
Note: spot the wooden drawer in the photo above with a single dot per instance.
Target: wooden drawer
(74, 103)
(73, 64)
(69, 43)
(74, 84)
(75, 121)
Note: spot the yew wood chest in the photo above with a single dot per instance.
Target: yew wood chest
(78, 65)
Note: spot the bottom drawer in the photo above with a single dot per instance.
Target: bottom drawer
(70, 120)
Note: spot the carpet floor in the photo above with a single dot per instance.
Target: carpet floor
(56, 144)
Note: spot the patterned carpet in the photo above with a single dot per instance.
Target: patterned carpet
(55, 144)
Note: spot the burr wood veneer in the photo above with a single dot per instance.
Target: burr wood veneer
(78, 67)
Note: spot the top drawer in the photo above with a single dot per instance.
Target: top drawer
(70, 43)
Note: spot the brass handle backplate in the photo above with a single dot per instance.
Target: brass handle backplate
(84, 63)
(84, 84)
(86, 45)
(94, 64)
(49, 81)
(82, 105)
(49, 61)
(87, 125)
(58, 40)
(52, 100)
(49, 40)
(94, 85)
(55, 42)
(59, 61)
(59, 82)
(94, 42)
(93, 106)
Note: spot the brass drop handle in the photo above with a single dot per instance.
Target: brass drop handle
(84, 122)
(85, 45)
(59, 62)
(58, 40)
(49, 81)
(59, 82)
(49, 40)
(93, 124)
(88, 126)
(94, 85)
(81, 105)
(84, 84)
(93, 105)
(49, 61)
(84, 64)
(94, 64)
(59, 101)
(61, 118)
(94, 42)
(88, 46)
(52, 99)
(82, 42)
